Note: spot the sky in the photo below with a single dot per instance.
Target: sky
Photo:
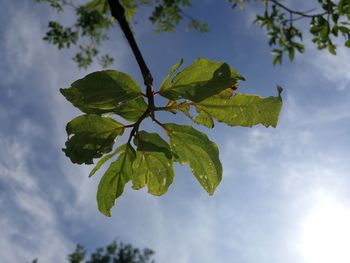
(284, 195)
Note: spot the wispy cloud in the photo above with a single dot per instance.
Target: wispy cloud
(29, 224)
(335, 69)
(48, 204)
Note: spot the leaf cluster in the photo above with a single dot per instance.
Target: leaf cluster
(280, 22)
(335, 22)
(88, 31)
(93, 20)
(115, 252)
(285, 36)
(281, 32)
(167, 14)
(147, 159)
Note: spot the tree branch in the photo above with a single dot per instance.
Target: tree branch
(136, 125)
(118, 12)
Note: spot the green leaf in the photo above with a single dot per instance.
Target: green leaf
(131, 110)
(332, 49)
(93, 136)
(204, 119)
(153, 165)
(325, 31)
(277, 60)
(344, 29)
(291, 53)
(199, 81)
(102, 92)
(130, 9)
(105, 159)
(171, 106)
(99, 5)
(167, 81)
(184, 107)
(241, 110)
(198, 25)
(347, 43)
(202, 155)
(315, 29)
(299, 47)
(341, 6)
(114, 180)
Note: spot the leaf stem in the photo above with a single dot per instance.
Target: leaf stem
(166, 108)
(137, 124)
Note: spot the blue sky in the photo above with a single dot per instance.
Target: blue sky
(284, 196)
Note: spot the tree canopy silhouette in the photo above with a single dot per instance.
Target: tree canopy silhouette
(116, 252)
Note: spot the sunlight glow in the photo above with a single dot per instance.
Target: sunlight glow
(326, 233)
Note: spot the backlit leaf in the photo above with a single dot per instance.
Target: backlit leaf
(201, 80)
(105, 159)
(167, 81)
(153, 165)
(102, 91)
(202, 155)
(204, 119)
(130, 8)
(114, 180)
(92, 136)
(240, 110)
(131, 110)
(99, 5)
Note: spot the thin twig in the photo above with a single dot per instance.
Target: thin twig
(137, 124)
(158, 122)
(303, 14)
(187, 16)
(166, 108)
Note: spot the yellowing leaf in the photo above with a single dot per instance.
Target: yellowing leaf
(93, 136)
(114, 180)
(201, 80)
(204, 119)
(202, 155)
(153, 165)
(240, 110)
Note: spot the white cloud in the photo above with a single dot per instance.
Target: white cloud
(307, 152)
(29, 224)
(335, 69)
